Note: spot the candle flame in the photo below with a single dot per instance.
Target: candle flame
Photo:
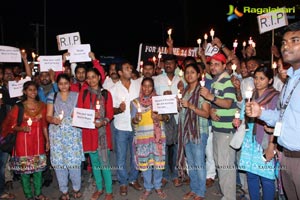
(170, 31)
(199, 41)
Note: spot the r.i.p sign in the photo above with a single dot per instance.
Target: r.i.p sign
(272, 20)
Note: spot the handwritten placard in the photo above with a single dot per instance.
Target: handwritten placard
(79, 53)
(50, 62)
(165, 104)
(211, 50)
(272, 20)
(10, 54)
(64, 41)
(16, 88)
(83, 118)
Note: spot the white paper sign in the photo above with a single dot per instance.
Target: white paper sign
(272, 20)
(66, 40)
(50, 62)
(16, 88)
(79, 53)
(165, 104)
(10, 54)
(83, 118)
(211, 50)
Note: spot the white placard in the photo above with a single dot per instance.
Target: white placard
(165, 104)
(83, 118)
(50, 62)
(79, 53)
(272, 20)
(211, 50)
(66, 40)
(16, 88)
(10, 54)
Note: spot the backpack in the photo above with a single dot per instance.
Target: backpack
(8, 143)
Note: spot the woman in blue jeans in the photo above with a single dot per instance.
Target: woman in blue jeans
(193, 133)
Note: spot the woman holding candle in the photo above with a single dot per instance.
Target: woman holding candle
(258, 142)
(29, 154)
(193, 133)
(97, 142)
(65, 140)
(149, 140)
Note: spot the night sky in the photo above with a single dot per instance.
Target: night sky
(116, 28)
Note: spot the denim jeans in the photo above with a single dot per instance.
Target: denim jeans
(268, 187)
(3, 160)
(195, 155)
(171, 171)
(123, 142)
(152, 174)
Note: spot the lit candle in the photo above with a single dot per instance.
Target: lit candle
(169, 33)
(250, 41)
(141, 66)
(159, 57)
(233, 67)
(1, 95)
(248, 94)
(205, 36)
(29, 122)
(212, 33)
(169, 83)
(274, 65)
(61, 115)
(244, 44)
(139, 110)
(23, 50)
(33, 56)
(253, 44)
(235, 44)
(202, 82)
(179, 95)
(180, 74)
(237, 114)
(98, 105)
(199, 42)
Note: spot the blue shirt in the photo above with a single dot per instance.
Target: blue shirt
(290, 132)
(43, 97)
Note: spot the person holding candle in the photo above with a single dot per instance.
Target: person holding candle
(149, 139)
(63, 136)
(193, 133)
(32, 143)
(97, 142)
(258, 141)
(223, 106)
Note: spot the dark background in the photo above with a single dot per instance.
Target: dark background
(116, 28)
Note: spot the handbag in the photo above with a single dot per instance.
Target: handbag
(171, 130)
(238, 137)
(7, 143)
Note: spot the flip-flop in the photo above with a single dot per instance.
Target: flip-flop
(7, 195)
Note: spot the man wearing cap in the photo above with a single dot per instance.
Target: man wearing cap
(223, 106)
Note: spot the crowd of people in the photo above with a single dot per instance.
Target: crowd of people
(131, 139)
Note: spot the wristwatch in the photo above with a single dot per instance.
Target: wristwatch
(222, 46)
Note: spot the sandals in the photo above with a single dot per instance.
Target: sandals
(7, 195)
(145, 195)
(64, 196)
(161, 194)
(96, 195)
(77, 194)
(41, 197)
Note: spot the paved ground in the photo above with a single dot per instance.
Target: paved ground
(174, 193)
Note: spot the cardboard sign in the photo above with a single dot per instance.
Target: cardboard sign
(211, 50)
(10, 54)
(165, 104)
(16, 88)
(66, 40)
(272, 20)
(79, 53)
(50, 62)
(83, 118)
